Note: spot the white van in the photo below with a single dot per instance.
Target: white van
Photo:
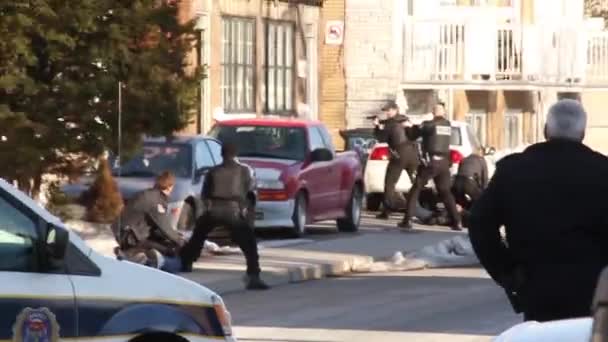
(54, 287)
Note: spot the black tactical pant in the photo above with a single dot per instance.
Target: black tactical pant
(240, 231)
(463, 187)
(408, 161)
(439, 172)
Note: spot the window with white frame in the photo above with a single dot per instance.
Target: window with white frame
(477, 121)
(513, 129)
(279, 67)
(238, 65)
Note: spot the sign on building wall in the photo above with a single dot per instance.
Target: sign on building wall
(334, 32)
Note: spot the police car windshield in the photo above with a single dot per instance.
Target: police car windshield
(155, 158)
(264, 141)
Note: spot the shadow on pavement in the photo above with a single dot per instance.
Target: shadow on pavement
(432, 301)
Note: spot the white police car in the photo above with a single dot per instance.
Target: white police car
(55, 288)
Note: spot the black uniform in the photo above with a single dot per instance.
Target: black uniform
(436, 164)
(471, 179)
(144, 226)
(224, 193)
(552, 201)
(404, 156)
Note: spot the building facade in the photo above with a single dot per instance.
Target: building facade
(260, 57)
(497, 64)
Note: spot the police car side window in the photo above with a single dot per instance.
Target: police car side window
(203, 156)
(216, 151)
(315, 138)
(17, 239)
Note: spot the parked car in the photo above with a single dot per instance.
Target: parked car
(463, 142)
(52, 283)
(188, 157)
(300, 177)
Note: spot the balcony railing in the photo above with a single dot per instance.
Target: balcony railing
(482, 51)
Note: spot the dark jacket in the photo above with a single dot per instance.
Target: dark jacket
(551, 198)
(146, 215)
(475, 168)
(227, 182)
(397, 138)
(426, 130)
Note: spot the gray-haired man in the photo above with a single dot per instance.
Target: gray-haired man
(551, 200)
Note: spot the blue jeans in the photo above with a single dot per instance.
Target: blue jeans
(171, 264)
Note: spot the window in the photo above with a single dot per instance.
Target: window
(279, 68)
(156, 158)
(513, 133)
(17, 239)
(477, 121)
(238, 64)
(456, 136)
(288, 143)
(329, 144)
(316, 140)
(203, 156)
(216, 151)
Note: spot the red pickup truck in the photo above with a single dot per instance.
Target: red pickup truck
(300, 178)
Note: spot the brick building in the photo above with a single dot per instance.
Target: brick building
(498, 64)
(261, 58)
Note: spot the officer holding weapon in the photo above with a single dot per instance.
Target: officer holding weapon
(436, 164)
(225, 196)
(403, 155)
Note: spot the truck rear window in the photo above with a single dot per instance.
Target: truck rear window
(264, 141)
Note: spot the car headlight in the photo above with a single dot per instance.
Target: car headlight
(270, 185)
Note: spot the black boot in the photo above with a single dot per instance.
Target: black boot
(254, 282)
(405, 225)
(383, 215)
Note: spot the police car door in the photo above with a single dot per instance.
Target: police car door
(35, 304)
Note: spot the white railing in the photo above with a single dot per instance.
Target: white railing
(440, 51)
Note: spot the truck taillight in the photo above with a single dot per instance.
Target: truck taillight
(455, 156)
(380, 153)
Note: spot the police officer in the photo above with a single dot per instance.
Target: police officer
(403, 156)
(436, 164)
(143, 230)
(225, 197)
(471, 179)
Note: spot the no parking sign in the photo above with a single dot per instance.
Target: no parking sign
(334, 32)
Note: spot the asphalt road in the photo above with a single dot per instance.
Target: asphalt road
(431, 305)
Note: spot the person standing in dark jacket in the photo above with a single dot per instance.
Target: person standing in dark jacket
(403, 156)
(436, 136)
(143, 230)
(470, 180)
(225, 196)
(551, 199)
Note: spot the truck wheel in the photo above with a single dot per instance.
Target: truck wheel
(186, 218)
(299, 215)
(350, 223)
(374, 201)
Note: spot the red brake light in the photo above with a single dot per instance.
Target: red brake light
(380, 153)
(456, 156)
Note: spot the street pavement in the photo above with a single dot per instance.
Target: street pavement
(431, 305)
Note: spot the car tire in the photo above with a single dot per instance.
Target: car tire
(299, 217)
(350, 223)
(374, 201)
(187, 219)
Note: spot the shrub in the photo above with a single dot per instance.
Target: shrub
(103, 200)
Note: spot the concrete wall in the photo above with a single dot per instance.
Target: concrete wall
(372, 56)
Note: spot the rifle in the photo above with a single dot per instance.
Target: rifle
(399, 118)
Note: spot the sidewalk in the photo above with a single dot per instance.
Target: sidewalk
(292, 261)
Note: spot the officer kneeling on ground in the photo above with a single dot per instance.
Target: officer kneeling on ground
(436, 164)
(143, 230)
(471, 179)
(225, 197)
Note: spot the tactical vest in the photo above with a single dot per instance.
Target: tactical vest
(227, 183)
(438, 141)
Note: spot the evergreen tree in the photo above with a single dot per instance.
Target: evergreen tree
(60, 64)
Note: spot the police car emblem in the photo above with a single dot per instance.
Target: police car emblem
(36, 325)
